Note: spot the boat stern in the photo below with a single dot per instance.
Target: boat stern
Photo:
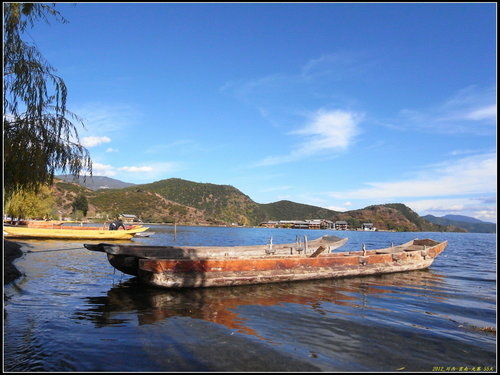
(100, 247)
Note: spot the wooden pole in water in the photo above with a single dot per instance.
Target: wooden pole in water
(175, 230)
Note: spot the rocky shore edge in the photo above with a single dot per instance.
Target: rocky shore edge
(11, 251)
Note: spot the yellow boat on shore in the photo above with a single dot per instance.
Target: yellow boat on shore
(70, 234)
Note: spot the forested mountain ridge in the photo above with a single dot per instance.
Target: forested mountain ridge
(188, 202)
(470, 224)
(95, 182)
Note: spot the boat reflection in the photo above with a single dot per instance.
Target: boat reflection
(220, 305)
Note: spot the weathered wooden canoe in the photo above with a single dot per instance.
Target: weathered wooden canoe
(70, 234)
(187, 267)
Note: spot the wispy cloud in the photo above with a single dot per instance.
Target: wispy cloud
(335, 66)
(281, 91)
(102, 120)
(472, 175)
(484, 113)
(181, 147)
(471, 110)
(326, 131)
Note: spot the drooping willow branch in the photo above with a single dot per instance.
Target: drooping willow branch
(40, 136)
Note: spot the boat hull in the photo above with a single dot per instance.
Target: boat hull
(209, 273)
(192, 267)
(70, 234)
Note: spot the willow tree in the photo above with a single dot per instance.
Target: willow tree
(30, 205)
(40, 133)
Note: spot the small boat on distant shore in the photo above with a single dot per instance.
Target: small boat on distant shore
(70, 234)
(188, 267)
(144, 234)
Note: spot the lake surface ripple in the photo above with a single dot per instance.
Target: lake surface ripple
(72, 312)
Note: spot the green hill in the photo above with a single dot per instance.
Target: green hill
(147, 205)
(392, 216)
(287, 210)
(221, 203)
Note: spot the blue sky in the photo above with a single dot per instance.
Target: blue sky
(335, 105)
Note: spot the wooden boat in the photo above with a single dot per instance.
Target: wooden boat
(70, 234)
(181, 267)
(42, 223)
(63, 225)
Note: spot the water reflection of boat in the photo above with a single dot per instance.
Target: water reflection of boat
(186, 267)
(220, 305)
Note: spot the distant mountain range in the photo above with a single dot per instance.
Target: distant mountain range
(95, 182)
(187, 202)
(468, 223)
(465, 219)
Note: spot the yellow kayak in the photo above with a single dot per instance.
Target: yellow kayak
(89, 234)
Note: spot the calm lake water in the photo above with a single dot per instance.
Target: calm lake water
(72, 312)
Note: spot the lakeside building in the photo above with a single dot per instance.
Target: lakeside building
(341, 225)
(300, 224)
(128, 218)
(368, 227)
(315, 224)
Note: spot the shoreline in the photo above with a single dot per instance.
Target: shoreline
(12, 251)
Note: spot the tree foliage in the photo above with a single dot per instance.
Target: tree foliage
(40, 135)
(30, 205)
(81, 204)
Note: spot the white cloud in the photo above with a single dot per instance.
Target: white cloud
(94, 141)
(275, 188)
(338, 208)
(474, 207)
(346, 206)
(99, 169)
(327, 131)
(150, 172)
(110, 149)
(472, 175)
(100, 121)
(143, 173)
(136, 169)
